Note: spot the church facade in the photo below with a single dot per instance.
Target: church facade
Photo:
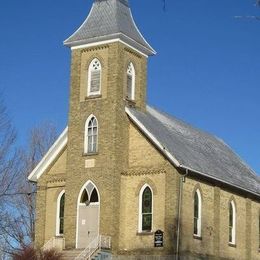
(129, 180)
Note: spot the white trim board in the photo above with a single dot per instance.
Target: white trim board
(88, 45)
(50, 156)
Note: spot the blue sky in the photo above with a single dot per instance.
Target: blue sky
(206, 71)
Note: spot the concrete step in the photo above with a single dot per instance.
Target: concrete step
(70, 254)
(73, 253)
(102, 255)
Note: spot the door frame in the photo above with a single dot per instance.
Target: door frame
(78, 204)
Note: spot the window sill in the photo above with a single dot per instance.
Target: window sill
(232, 245)
(59, 236)
(197, 237)
(145, 233)
(93, 96)
(89, 154)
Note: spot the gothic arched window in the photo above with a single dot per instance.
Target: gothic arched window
(232, 223)
(89, 195)
(60, 214)
(197, 214)
(145, 209)
(91, 135)
(94, 78)
(130, 85)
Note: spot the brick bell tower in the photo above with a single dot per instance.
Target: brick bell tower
(108, 73)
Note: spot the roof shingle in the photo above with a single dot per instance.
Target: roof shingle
(197, 150)
(107, 20)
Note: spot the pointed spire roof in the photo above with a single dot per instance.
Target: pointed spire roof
(109, 20)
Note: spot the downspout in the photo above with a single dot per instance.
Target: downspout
(182, 180)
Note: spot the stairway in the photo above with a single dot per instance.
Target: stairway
(98, 249)
(70, 254)
(73, 253)
(102, 255)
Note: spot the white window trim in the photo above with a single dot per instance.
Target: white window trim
(86, 134)
(58, 214)
(89, 93)
(140, 228)
(233, 242)
(133, 80)
(80, 204)
(199, 212)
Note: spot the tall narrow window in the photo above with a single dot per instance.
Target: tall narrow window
(91, 135)
(146, 205)
(197, 214)
(60, 214)
(130, 91)
(232, 223)
(94, 78)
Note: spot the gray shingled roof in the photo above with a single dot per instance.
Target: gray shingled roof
(197, 150)
(107, 20)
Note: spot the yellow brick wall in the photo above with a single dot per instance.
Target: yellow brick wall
(58, 166)
(141, 152)
(255, 237)
(130, 238)
(240, 250)
(125, 161)
(86, 59)
(53, 191)
(190, 244)
(48, 188)
(112, 157)
(215, 223)
(146, 166)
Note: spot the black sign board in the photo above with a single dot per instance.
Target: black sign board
(158, 238)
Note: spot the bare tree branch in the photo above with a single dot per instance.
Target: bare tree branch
(18, 217)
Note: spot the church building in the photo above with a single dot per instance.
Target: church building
(124, 179)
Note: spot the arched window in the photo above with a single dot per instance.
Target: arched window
(145, 209)
(197, 214)
(91, 135)
(94, 78)
(60, 214)
(232, 222)
(130, 91)
(89, 195)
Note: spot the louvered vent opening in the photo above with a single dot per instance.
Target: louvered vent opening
(95, 82)
(129, 86)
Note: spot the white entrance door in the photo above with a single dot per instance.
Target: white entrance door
(88, 216)
(88, 224)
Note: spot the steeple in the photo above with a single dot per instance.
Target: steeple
(110, 20)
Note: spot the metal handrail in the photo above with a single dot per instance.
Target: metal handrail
(54, 243)
(48, 244)
(98, 243)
